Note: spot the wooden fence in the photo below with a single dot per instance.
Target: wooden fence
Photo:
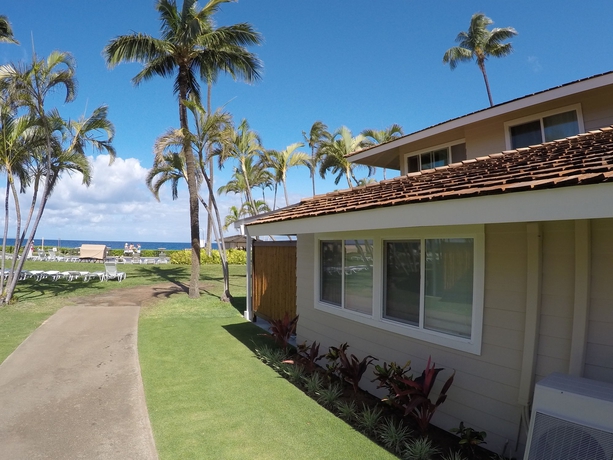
(274, 279)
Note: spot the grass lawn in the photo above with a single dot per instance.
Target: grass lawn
(208, 395)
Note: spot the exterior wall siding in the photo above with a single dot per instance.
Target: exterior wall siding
(557, 298)
(486, 387)
(599, 352)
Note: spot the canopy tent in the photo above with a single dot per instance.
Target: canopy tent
(92, 251)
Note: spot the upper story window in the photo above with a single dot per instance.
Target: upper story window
(544, 128)
(438, 156)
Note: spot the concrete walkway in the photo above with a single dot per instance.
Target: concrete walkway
(73, 390)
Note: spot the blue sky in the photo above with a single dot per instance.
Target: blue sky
(359, 63)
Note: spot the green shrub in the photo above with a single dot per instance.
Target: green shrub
(181, 257)
(235, 257)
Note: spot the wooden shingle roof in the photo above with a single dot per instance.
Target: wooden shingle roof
(578, 160)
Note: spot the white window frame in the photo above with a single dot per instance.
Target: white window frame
(476, 232)
(318, 296)
(539, 116)
(418, 153)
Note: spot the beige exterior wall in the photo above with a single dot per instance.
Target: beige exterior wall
(486, 388)
(599, 350)
(488, 136)
(557, 298)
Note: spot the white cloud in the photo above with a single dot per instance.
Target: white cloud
(535, 64)
(117, 206)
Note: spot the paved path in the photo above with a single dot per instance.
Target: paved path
(73, 390)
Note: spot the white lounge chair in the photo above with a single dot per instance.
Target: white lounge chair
(112, 273)
(100, 275)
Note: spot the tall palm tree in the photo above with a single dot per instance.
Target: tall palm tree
(6, 31)
(281, 161)
(314, 139)
(376, 137)
(334, 156)
(210, 133)
(479, 43)
(189, 48)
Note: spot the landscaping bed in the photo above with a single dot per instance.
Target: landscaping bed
(399, 422)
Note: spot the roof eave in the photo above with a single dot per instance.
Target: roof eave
(561, 203)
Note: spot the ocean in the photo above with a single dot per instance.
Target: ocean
(50, 243)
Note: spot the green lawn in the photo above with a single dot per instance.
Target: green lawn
(208, 395)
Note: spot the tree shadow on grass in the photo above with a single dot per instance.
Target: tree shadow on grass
(155, 273)
(249, 335)
(240, 303)
(31, 289)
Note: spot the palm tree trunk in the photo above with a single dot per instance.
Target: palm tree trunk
(248, 187)
(17, 228)
(6, 231)
(487, 84)
(46, 193)
(209, 220)
(221, 245)
(285, 192)
(313, 171)
(192, 187)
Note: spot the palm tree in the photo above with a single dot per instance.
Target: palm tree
(6, 31)
(259, 207)
(251, 174)
(374, 137)
(334, 156)
(87, 131)
(234, 216)
(478, 43)
(18, 137)
(28, 86)
(246, 145)
(317, 135)
(281, 161)
(190, 47)
(211, 133)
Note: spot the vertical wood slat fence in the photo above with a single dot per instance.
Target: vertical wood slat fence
(274, 279)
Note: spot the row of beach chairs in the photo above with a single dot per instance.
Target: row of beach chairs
(110, 273)
(52, 256)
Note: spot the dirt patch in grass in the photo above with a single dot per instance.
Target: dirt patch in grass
(140, 296)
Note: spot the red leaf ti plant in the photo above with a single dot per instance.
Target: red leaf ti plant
(391, 373)
(350, 368)
(415, 396)
(309, 355)
(282, 330)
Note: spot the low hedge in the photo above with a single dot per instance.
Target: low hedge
(235, 257)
